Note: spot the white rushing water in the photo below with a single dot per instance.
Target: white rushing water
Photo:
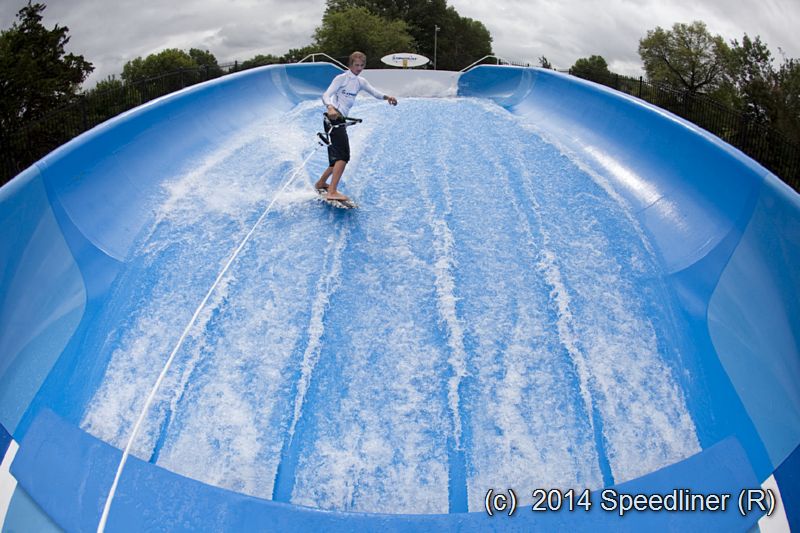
(490, 305)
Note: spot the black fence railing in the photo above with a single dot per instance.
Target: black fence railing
(764, 143)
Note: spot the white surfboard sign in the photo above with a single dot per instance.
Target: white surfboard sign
(405, 60)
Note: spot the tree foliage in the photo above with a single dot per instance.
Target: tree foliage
(459, 41)
(686, 57)
(750, 79)
(206, 61)
(764, 92)
(296, 54)
(192, 67)
(259, 61)
(741, 75)
(356, 28)
(36, 73)
(787, 99)
(167, 61)
(462, 41)
(592, 68)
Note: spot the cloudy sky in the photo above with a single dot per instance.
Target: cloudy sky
(110, 32)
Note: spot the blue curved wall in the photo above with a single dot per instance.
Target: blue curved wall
(727, 231)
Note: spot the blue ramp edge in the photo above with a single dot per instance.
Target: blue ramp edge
(787, 476)
(68, 473)
(5, 441)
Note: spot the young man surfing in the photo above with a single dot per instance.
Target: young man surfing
(338, 99)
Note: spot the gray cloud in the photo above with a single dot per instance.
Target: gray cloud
(564, 31)
(109, 33)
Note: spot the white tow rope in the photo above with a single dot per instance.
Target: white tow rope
(102, 524)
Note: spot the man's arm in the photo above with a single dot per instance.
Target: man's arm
(367, 86)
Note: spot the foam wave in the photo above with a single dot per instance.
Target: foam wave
(495, 295)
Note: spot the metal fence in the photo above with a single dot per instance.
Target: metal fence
(760, 141)
(20, 149)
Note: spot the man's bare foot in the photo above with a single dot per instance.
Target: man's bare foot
(323, 186)
(335, 195)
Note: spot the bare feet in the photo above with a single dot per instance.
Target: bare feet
(335, 195)
(322, 186)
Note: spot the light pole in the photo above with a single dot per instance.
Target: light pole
(436, 29)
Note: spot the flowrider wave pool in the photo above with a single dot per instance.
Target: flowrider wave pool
(554, 302)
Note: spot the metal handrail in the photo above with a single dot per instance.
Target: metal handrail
(312, 56)
(498, 58)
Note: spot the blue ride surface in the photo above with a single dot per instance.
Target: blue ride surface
(547, 285)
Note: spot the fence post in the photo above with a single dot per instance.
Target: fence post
(85, 122)
(640, 86)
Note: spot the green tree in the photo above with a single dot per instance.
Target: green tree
(206, 61)
(175, 69)
(592, 68)
(687, 57)
(544, 63)
(421, 16)
(259, 61)
(154, 65)
(356, 28)
(36, 73)
(296, 54)
(750, 77)
(787, 99)
(460, 40)
(110, 97)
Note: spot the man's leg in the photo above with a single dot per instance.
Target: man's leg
(338, 170)
(322, 181)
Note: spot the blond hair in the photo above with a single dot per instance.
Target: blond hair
(357, 55)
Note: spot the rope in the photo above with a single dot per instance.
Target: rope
(103, 519)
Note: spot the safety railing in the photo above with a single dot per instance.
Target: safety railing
(498, 61)
(323, 54)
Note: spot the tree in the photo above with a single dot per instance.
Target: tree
(750, 76)
(788, 99)
(259, 61)
(544, 63)
(421, 16)
(154, 65)
(206, 61)
(296, 54)
(356, 28)
(36, 73)
(592, 68)
(177, 68)
(460, 41)
(110, 97)
(687, 57)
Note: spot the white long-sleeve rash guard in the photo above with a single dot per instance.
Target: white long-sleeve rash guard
(343, 90)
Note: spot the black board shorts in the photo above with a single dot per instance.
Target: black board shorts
(339, 148)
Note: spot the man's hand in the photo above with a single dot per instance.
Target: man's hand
(333, 113)
(392, 100)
